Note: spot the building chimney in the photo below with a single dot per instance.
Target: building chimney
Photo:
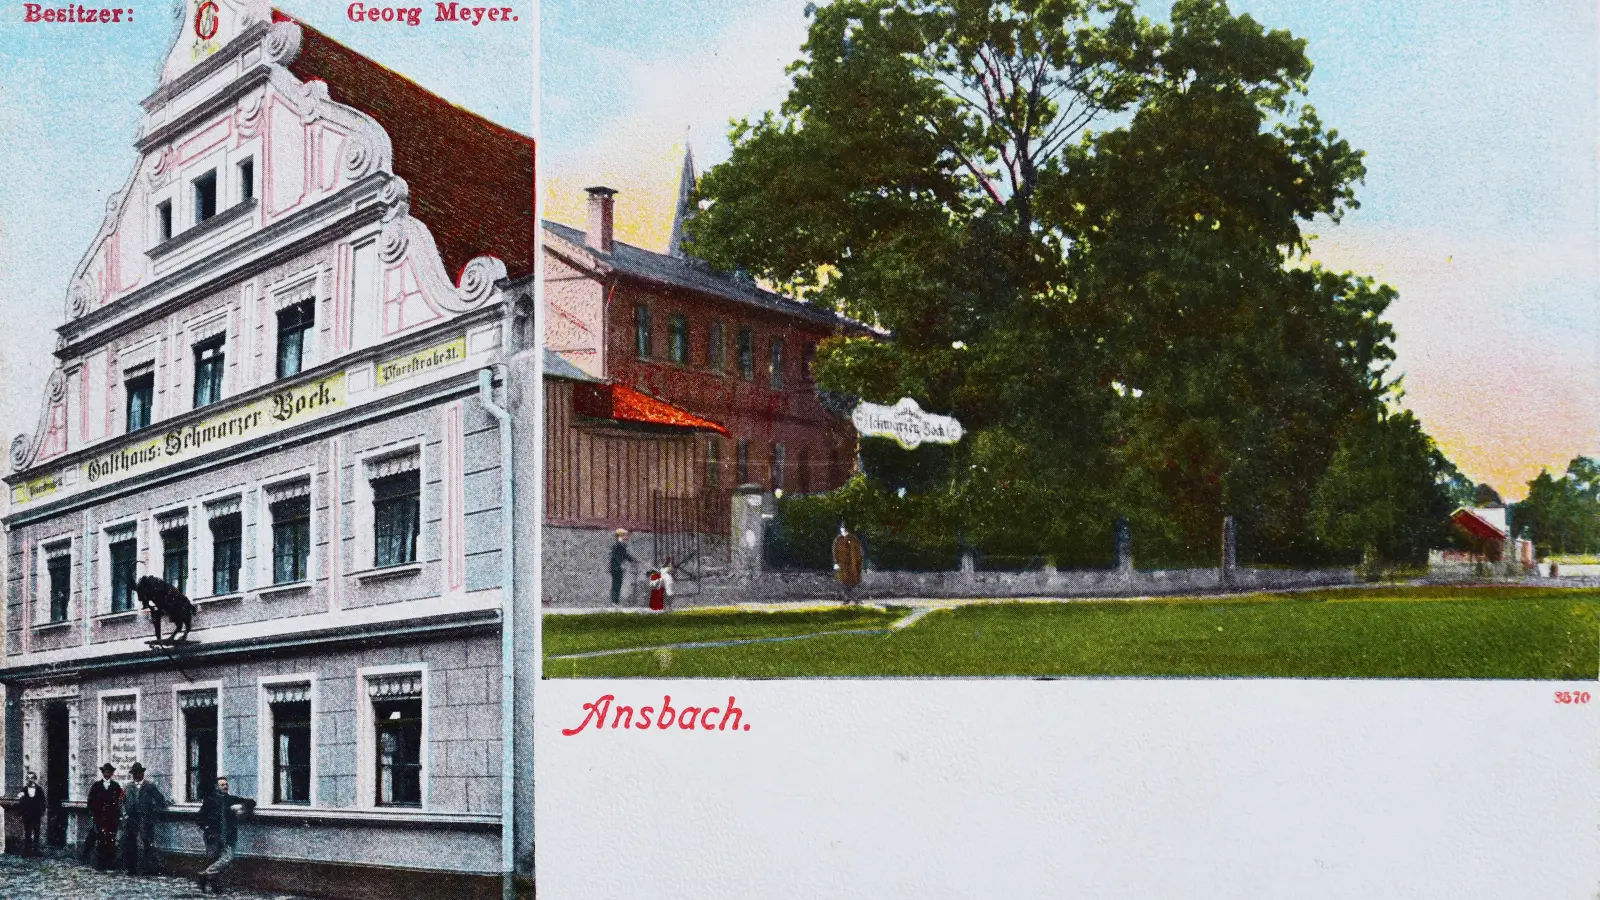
(601, 213)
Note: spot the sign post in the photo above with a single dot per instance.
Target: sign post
(905, 423)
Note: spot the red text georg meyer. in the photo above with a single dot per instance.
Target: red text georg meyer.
(75, 15)
(443, 12)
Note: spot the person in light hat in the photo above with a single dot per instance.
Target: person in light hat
(619, 556)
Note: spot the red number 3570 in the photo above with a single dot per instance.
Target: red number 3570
(1572, 696)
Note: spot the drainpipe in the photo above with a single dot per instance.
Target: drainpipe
(507, 642)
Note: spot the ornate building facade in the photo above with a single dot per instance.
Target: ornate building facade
(289, 384)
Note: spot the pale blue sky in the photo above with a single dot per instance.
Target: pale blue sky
(69, 106)
(1480, 121)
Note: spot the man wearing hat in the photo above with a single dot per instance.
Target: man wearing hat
(619, 555)
(142, 804)
(105, 813)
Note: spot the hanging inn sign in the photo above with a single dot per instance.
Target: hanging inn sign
(905, 423)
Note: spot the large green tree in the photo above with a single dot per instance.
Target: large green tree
(1562, 515)
(1123, 318)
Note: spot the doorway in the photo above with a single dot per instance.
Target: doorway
(55, 774)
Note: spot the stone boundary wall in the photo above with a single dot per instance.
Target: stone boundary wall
(575, 574)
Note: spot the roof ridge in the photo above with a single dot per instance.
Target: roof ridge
(279, 15)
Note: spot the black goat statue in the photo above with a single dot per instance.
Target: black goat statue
(163, 599)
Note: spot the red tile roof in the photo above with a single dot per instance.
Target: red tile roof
(624, 404)
(471, 181)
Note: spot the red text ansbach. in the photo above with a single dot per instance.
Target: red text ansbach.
(74, 15)
(601, 713)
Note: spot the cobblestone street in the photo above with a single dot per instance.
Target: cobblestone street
(50, 879)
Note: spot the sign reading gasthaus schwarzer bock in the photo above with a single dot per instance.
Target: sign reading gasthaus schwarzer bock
(274, 412)
(905, 423)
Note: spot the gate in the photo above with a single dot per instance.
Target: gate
(679, 528)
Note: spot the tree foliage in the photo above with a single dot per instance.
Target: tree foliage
(1123, 318)
(1562, 515)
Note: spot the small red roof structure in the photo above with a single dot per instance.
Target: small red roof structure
(470, 181)
(624, 404)
(1481, 524)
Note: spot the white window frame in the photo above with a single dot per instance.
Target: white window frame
(202, 547)
(40, 615)
(366, 544)
(263, 542)
(266, 774)
(158, 546)
(198, 330)
(308, 284)
(102, 725)
(366, 739)
(141, 546)
(180, 739)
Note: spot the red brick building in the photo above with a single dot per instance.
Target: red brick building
(668, 385)
(714, 345)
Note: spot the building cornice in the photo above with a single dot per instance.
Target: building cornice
(355, 207)
(367, 634)
(423, 395)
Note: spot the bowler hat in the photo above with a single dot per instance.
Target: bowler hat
(136, 769)
(108, 768)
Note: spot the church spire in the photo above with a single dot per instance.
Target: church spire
(684, 210)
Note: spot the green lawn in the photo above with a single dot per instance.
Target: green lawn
(1481, 632)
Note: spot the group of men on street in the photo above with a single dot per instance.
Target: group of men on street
(122, 822)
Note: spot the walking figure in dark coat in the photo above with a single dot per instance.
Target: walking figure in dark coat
(219, 825)
(142, 805)
(163, 599)
(105, 815)
(31, 805)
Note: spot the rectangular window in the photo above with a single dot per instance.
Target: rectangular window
(164, 220)
(141, 390)
(808, 358)
(397, 727)
(294, 330)
(805, 470)
(227, 546)
(717, 349)
(775, 365)
(291, 539)
(747, 355)
(678, 340)
(208, 362)
(58, 565)
(778, 459)
(247, 180)
(124, 547)
(713, 461)
(291, 746)
(205, 196)
(175, 558)
(199, 744)
(396, 515)
(641, 330)
(744, 461)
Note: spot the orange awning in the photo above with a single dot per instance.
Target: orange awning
(624, 404)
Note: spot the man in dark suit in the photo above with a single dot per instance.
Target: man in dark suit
(219, 825)
(105, 815)
(31, 805)
(619, 556)
(142, 804)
